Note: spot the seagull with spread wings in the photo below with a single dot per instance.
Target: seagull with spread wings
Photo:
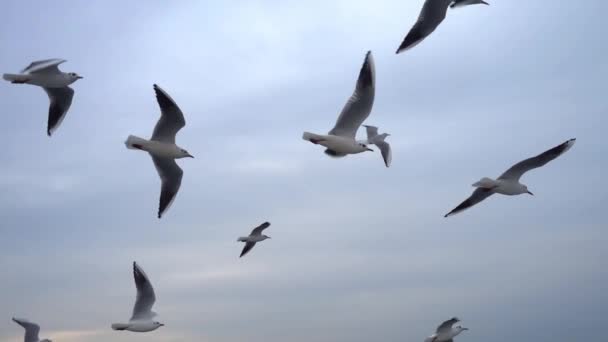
(445, 332)
(31, 330)
(47, 75)
(162, 148)
(508, 183)
(142, 317)
(378, 139)
(253, 238)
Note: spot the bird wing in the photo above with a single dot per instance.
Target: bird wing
(171, 177)
(360, 104)
(517, 170)
(477, 196)
(247, 248)
(61, 100)
(447, 325)
(171, 118)
(385, 149)
(31, 329)
(371, 131)
(431, 15)
(48, 66)
(142, 309)
(258, 230)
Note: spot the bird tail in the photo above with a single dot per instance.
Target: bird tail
(485, 183)
(242, 239)
(135, 143)
(119, 326)
(13, 78)
(313, 138)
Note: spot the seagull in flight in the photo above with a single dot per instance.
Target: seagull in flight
(445, 332)
(47, 75)
(253, 238)
(162, 148)
(31, 330)
(142, 318)
(340, 141)
(508, 183)
(378, 139)
(432, 14)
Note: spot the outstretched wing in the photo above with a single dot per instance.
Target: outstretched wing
(171, 177)
(31, 329)
(145, 295)
(44, 66)
(359, 106)
(61, 100)
(431, 15)
(171, 118)
(247, 248)
(447, 325)
(258, 230)
(478, 195)
(387, 154)
(517, 170)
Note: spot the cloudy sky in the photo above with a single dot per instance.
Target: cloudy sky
(359, 252)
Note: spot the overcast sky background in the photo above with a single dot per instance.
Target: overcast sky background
(358, 252)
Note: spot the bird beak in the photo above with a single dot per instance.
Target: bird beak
(79, 77)
(530, 193)
(191, 156)
(369, 149)
(162, 325)
(465, 329)
(485, 3)
(269, 237)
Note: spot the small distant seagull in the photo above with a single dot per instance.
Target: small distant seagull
(378, 139)
(141, 320)
(31, 330)
(340, 141)
(432, 14)
(255, 236)
(445, 332)
(47, 75)
(162, 148)
(508, 183)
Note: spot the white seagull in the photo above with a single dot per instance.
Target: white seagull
(255, 236)
(340, 141)
(141, 320)
(432, 14)
(378, 139)
(31, 330)
(445, 332)
(162, 148)
(508, 183)
(47, 75)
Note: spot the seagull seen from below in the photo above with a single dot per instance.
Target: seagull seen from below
(378, 139)
(142, 318)
(47, 75)
(31, 330)
(432, 14)
(445, 332)
(341, 140)
(508, 183)
(253, 238)
(162, 148)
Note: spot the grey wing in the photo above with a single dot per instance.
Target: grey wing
(145, 295)
(477, 196)
(171, 118)
(387, 154)
(258, 230)
(247, 248)
(447, 325)
(171, 177)
(371, 131)
(31, 329)
(61, 100)
(44, 66)
(360, 104)
(432, 14)
(517, 170)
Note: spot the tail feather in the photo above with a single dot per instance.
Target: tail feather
(135, 143)
(313, 138)
(119, 326)
(13, 78)
(485, 183)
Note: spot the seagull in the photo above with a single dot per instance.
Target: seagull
(141, 320)
(340, 141)
(255, 236)
(31, 330)
(378, 139)
(445, 332)
(508, 183)
(162, 148)
(432, 14)
(47, 75)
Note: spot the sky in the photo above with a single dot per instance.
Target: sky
(358, 252)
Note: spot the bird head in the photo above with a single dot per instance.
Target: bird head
(266, 237)
(526, 191)
(185, 154)
(74, 76)
(365, 148)
(158, 324)
(460, 329)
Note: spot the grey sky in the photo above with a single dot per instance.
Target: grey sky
(359, 252)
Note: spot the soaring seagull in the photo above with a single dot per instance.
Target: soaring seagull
(432, 14)
(445, 332)
(508, 183)
(162, 148)
(340, 141)
(31, 330)
(47, 75)
(142, 318)
(255, 236)
(378, 139)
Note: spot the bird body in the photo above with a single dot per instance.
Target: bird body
(379, 140)
(338, 144)
(157, 148)
(137, 326)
